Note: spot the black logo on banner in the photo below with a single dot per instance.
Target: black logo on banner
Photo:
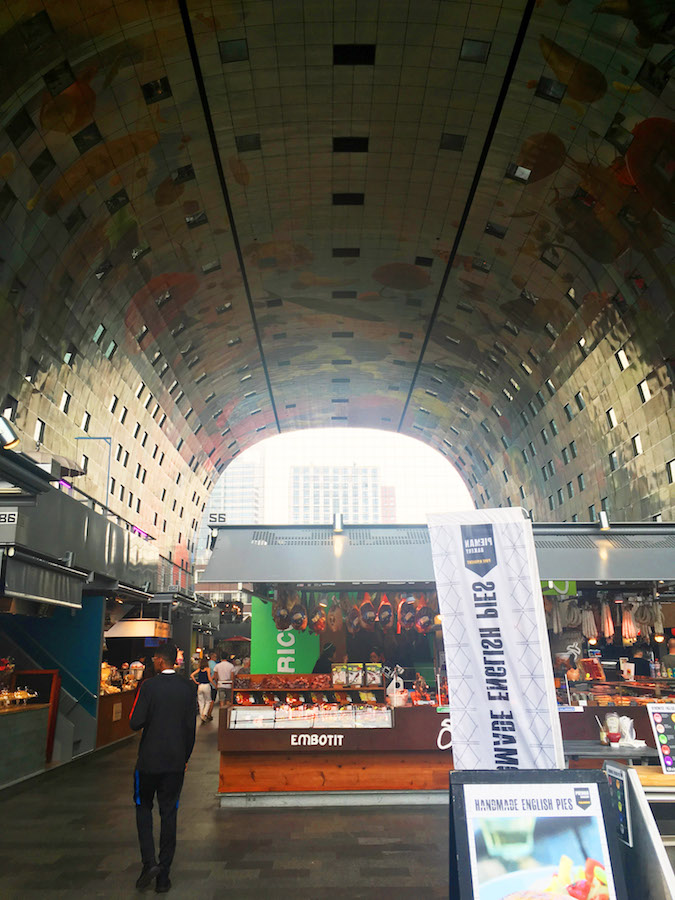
(583, 797)
(479, 548)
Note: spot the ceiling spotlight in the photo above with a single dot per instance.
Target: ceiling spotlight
(604, 520)
(659, 638)
(9, 439)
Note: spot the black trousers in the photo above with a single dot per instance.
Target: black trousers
(167, 786)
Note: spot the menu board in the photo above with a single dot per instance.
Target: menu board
(531, 834)
(662, 718)
(618, 792)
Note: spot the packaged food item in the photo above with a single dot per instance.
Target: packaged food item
(339, 671)
(373, 674)
(355, 674)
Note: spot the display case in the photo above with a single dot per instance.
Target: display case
(308, 701)
(638, 692)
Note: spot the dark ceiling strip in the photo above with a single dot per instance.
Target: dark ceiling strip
(189, 35)
(508, 75)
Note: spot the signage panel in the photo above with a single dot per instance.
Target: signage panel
(502, 700)
(285, 652)
(662, 720)
(533, 834)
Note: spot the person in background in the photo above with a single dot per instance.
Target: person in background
(223, 677)
(148, 667)
(165, 709)
(668, 661)
(323, 665)
(213, 659)
(245, 666)
(642, 668)
(202, 678)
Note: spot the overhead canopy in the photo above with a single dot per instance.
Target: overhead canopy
(27, 577)
(137, 628)
(399, 554)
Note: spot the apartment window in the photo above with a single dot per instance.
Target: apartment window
(123, 415)
(544, 435)
(643, 391)
(113, 403)
(591, 513)
(121, 492)
(505, 476)
(565, 455)
(98, 334)
(636, 441)
(39, 431)
(126, 458)
(570, 489)
(524, 455)
(622, 359)
(550, 387)
(581, 403)
(581, 343)
(70, 354)
(178, 478)
(544, 473)
(551, 502)
(137, 429)
(138, 470)
(561, 498)
(581, 482)
(568, 412)
(573, 449)
(145, 439)
(554, 427)
(154, 452)
(533, 449)
(148, 401)
(139, 390)
(86, 421)
(163, 494)
(130, 500)
(161, 459)
(521, 491)
(670, 469)
(110, 350)
(64, 405)
(575, 518)
(611, 417)
(112, 485)
(603, 505)
(118, 454)
(10, 407)
(613, 461)
(138, 505)
(550, 467)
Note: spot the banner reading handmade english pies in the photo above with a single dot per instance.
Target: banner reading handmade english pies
(503, 710)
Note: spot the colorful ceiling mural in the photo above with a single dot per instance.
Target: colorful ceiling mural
(434, 217)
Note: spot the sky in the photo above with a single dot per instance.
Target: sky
(424, 480)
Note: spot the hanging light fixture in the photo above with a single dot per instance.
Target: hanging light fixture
(9, 439)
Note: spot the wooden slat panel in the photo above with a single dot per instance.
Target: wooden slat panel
(328, 772)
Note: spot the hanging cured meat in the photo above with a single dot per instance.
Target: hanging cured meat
(628, 627)
(385, 614)
(424, 616)
(317, 616)
(353, 620)
(607, 625)
(367, 611)
(658, 619)
(573, 614)
(281, 612)
(406, 614)
(335, 619)
(298, 614)
(588, 626)
(556, 622)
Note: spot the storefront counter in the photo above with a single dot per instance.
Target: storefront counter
(23, 738)
(113, 717)
(406, 757)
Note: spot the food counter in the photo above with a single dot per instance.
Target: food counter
(113, 717)
(317, 737)
(23, 738)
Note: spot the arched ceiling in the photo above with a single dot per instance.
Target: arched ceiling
(403, 215)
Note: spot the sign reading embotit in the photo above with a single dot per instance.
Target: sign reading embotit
(503, 709)
(316, 740)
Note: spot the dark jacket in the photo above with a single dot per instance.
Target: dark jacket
(323, 665)
(165, 709)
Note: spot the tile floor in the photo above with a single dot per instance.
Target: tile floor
(71, 833)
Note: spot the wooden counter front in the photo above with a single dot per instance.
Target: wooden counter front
(405, 757)
(113, 717)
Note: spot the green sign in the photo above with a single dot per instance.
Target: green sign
(275, 651)
(556, 588)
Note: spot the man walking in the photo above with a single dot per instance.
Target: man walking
(165, 709)
(224, 675)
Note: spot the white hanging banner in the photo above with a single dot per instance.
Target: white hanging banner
(503, 709)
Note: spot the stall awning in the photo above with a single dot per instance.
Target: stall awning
(398, 553)
(140, 628)
(28, 577)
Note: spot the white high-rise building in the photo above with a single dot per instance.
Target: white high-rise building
(316, 493)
